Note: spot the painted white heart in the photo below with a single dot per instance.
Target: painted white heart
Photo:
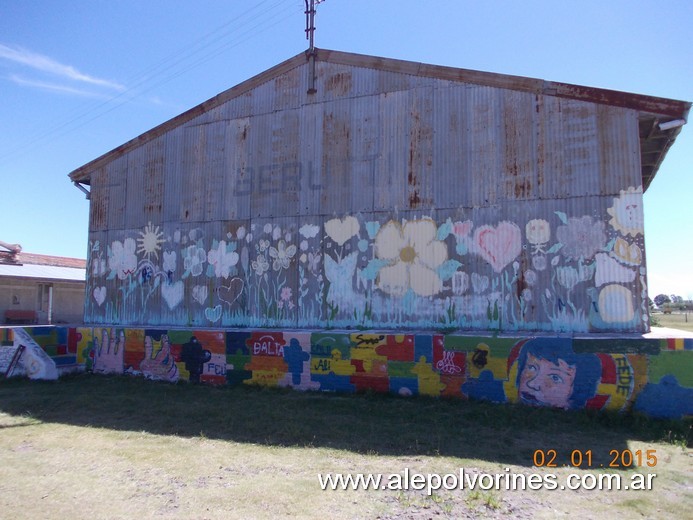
(213, 314)
(172, 293)
(342, 230)
(99, 295)
(479, 283)
(199, 294)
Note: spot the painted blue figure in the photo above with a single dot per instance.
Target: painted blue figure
(194, 357)
(295, 357)
(484, 388)
(666, 399)
(551, 374)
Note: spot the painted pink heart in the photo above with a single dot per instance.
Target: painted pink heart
(498, 245)
(231, 293)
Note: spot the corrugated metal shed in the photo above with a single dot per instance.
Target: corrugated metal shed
(397, 195)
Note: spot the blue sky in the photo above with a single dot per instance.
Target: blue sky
(79, 78)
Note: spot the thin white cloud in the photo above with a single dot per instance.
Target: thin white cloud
(46, 64)
(55, 88)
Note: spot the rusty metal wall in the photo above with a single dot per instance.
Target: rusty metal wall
(384, 199)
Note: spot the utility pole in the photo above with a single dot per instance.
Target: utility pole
(310, 36)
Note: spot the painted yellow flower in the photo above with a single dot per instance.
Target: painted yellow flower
(413, 255)
(627, 213)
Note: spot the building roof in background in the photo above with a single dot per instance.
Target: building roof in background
(46, 267)
(655, 140)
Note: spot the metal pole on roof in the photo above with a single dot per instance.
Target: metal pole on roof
(310, 24)
(310, 36)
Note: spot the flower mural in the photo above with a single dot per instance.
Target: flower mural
(626, 214)
(122, 259)
(413, 255)
(282, 255)
(537, 274)
(567, 277)
(222, 258)
(260, 265)
(581, 237)
(194, 258)
(285, 298)
(538, 233)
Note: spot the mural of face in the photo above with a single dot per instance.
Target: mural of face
(545, 383)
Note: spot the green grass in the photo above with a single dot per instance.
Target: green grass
(366, 423)
(182, 451)
(678, 320)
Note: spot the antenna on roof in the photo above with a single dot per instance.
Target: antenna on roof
(310, 36)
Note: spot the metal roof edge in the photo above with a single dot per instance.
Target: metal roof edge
(643, 103)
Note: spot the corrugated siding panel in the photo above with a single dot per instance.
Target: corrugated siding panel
(390, 188)
(420, 176)
(194, 182)
(619, 148)
(237, 175)
(154, 181)
(98, 201)
(551, 139)
(288, 89)
(173, 175)
(452, 170)
(310, 137)
(579, 141)
(344, 177)
(137, 180)
(145, 184)
(285, 172)
(264, 194)
(214, 165)
(364, 147)
(518, 179)
(236, 108)
(117, 174)
(484, 112)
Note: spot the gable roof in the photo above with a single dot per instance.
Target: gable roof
(46, 267)
(652, 111)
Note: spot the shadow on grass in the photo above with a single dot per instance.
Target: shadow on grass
(367, 424)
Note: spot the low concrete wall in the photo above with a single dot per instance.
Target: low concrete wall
(648, 374)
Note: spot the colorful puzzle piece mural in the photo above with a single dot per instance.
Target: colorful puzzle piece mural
(653, 376)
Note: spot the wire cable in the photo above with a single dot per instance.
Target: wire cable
(193, 55)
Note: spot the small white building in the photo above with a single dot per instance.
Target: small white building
(40, 289)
